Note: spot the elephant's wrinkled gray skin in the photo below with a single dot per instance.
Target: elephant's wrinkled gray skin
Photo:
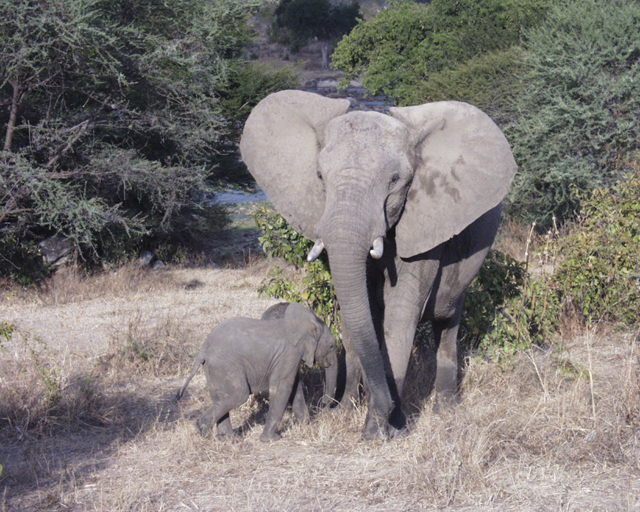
(407, 207)
(242, 356)
(326, 358)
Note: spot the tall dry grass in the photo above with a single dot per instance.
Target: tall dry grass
(88, 429)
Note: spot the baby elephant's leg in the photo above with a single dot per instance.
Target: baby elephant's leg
(224, 427)
(299, 405)
(279, 393)
(205, 421)
(225, 395)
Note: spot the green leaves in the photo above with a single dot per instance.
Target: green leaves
(407, 43)
(311, 284)
(577, 106)
(599, 275)
(119, 110)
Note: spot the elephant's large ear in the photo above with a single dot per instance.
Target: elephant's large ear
(280, 144)
(464, 168)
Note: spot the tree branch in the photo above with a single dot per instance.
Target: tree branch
(82, 129)
(13, 115)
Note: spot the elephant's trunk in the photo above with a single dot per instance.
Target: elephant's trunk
(348, 246)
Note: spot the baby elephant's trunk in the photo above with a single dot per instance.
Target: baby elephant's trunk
(199, 362)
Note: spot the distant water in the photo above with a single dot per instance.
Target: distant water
(231, 196)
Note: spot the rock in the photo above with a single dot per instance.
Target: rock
(144, 260)
(56, 250)
(158, 265)
(328, 84)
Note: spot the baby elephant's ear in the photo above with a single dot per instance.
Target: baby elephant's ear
(304, 326)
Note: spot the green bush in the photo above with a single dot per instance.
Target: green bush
(488, 81)
(115, 114)
(407, 43)
(594, 276)
(577, 106)
(313, 287)
(499, 282)
(599, 275)
(527, 318)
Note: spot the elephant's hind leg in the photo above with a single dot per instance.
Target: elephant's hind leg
(224, 427)
(445, 332)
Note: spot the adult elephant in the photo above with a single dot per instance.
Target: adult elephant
(407, 207)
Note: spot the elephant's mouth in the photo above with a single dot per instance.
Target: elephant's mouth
(376, 252)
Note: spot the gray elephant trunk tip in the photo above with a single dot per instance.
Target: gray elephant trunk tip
(316, 250)
(378, 248)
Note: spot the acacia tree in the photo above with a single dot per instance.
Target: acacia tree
(112, 118)
(316, 19)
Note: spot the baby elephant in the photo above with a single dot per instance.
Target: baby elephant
(242, 356)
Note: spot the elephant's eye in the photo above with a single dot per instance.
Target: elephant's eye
(394, 179)
(319, 175)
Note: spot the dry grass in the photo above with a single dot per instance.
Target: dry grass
(88, 420)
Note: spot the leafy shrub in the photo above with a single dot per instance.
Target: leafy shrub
(528, 318)
(407, 43)
(499, 282)
(599, 275)
(114, 149)
(488, 81)
(314, 287)
(578, 106)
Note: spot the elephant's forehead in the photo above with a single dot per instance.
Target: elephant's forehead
(366, 128)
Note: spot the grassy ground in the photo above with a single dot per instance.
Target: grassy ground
(88, 421)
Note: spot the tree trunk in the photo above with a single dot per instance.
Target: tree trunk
(13, 115)
(324, 46)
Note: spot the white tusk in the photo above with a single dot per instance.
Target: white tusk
(316, 250)
(378, 248)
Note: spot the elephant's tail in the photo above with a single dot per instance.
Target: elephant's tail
(199, 362)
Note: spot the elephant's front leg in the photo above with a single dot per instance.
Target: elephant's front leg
(353, 371)
(404, 299)
(279, 392)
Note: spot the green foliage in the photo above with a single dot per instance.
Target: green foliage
(407, 43)
(314, 288)
(528, 318)
(115, 113)
(595, 277)
(280, 240)
(577, 107)
(599, 275)
(249, 83)
(21, 261)
(6, 331)
(499, 281)
(488, 81)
